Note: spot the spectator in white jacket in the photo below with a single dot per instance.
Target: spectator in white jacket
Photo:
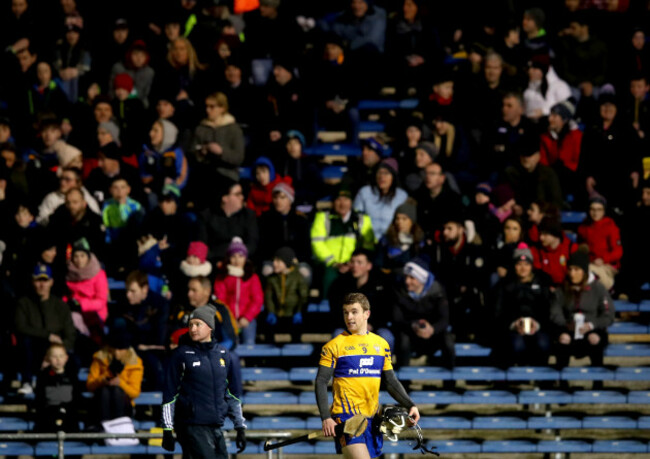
(70, 178)
(545, 88)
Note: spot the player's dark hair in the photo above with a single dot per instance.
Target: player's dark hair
(359, 298)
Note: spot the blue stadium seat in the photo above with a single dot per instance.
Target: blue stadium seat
(70, 448)
(627, 328)
(371, 126)
(563, 446)
(114, 284)
(149, 398)
(264, 374)
(245, 173)
(409, 104)
(489, 397)
(302, 374)
(498, 422)
(159, 450)
(424, 373)
(301, 448)
(333, 172)
(508, 446)
(619, 446)
(297, 350)
(143, 425)
(587, 374)
(573, 217)
(478, 374)
(12, 448)
(399, 447)
(258, 350)
(454, 446)
(378, 104)
(598, 396)
(608, 422)
(532, 374)
(444, 422)
(628, 350)
(339, 149)
(644, 306)
(471, 350)
(314, 423)
(633, 374)
(625, 306)
(105, 449)
(270, 398)
(277, 422)
(309, 398)
(436, 397)
(324, 448)
(639, 397)
(385, 399)
(644, 422)
(12, 424)
(544, 397)
(228, 425)
(553, 422)
(83, 374)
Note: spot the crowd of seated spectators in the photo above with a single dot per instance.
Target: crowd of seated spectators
(123, 129)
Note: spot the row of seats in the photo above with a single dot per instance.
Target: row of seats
(470, 374)
(322, 448)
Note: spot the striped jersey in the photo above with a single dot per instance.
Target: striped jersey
(358, 361)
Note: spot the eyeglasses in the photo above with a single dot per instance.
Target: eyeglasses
(66, 179)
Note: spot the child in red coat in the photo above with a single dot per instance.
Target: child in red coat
(261, 192)
(603, 237)
(240, 288)
(554, 251)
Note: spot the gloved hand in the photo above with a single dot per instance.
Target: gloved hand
(297, 318)
(168, 442)
(271, 319)
(241, 440)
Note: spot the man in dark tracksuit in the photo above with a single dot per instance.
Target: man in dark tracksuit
(196, 399)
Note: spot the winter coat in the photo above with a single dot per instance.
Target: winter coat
(142, 80)
(604, 240)
(260, 196)
(558, 91)
(286, 294)
(593, 301)
(380, 211)
(554, 262)
(54, 199)
(89, 287)
(196, 388)
(243, 296)
(516, 299)
(130, 376)
(39, 319)
(230, 137)
(432, 306)
(367, 33)
(284, 230)
(217, 230)
(564, 149)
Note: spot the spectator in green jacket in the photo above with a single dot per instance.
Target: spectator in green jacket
(286, 295)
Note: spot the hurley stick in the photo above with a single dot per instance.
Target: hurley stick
(354, 427)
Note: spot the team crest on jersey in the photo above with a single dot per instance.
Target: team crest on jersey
(562, 260)
(222, 362)
(377, 348)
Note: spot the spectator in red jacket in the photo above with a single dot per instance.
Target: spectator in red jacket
(560, 145)
(603, 237)
(536, 212)
(260, 196)
(554, 251)
(240, 288)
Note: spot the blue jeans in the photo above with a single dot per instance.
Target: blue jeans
(248, 334)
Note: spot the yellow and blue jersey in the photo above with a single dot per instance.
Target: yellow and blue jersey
(358, 362)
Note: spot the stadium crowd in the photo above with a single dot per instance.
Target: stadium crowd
(124, 129)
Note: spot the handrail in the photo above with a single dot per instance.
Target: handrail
(61, 436)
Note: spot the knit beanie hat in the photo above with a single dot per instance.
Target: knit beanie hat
(112, 128)
(430, 148)
(237, 246)
(580, 259)
(523, 253)
(123, 81)
(204, 313)
(596, 198)
(294, 134)
(390, 164)
(565, 110)
(552, 227)
(285, 188)
(81, 245)
(540, 61)
(287, 255)
(375, 146)
(537, 15)
(199, 250)
(65, 152)
(484, 188)
(418, 269)
(409, 210)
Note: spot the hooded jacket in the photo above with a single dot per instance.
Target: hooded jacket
(558, 91)
(230, 137)
(431, 306)
(243, 295)
(166, 161)
(89, 287)
(196, 387)
(563, 147)
(260, 196)
(554, 261)
(286, 294)
(604, 240)
(130, 376)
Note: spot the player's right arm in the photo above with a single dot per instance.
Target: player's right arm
(322, 378)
